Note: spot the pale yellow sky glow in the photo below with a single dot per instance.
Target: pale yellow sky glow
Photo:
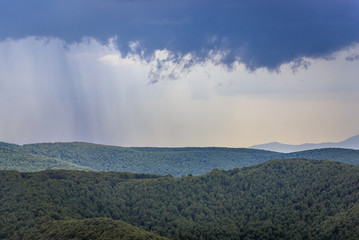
(91, 93)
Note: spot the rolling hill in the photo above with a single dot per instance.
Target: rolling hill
(175, 161)
(16, 159)
(91, 228)
(279, 199)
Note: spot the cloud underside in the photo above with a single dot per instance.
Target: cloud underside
(255, 33)
(90, 90)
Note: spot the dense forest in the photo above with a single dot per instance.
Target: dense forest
(279, 199)
(90, 228)
(13, 159)
(175, 161)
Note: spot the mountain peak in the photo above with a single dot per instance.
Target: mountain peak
(352, 143)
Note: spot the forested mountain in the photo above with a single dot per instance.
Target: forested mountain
(279, 199)
(90, 228)
(348, 156)
(175, 161)
(16, 159)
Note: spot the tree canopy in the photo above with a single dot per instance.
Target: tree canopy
(279, 199)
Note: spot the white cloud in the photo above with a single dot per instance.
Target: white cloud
(88, 91)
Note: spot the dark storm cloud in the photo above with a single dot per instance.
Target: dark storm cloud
(258, 33)
(353, 57)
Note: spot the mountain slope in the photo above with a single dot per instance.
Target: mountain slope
(352, 143)
(93, 228)
(175, 161)
(280, 199)
(15, 159)
(348, 156)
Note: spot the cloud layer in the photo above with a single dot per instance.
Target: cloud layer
(256, 33)
(51, 90)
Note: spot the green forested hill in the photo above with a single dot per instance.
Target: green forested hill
(175, 161)
(91, 228)
(279, 199)
(16, 159)
(348, 156)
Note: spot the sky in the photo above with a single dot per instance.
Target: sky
(231, 73)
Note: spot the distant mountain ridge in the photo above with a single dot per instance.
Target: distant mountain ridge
(350, 143)
(175, 161)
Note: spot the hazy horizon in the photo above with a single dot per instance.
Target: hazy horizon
(179, 73)
(255, 146)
